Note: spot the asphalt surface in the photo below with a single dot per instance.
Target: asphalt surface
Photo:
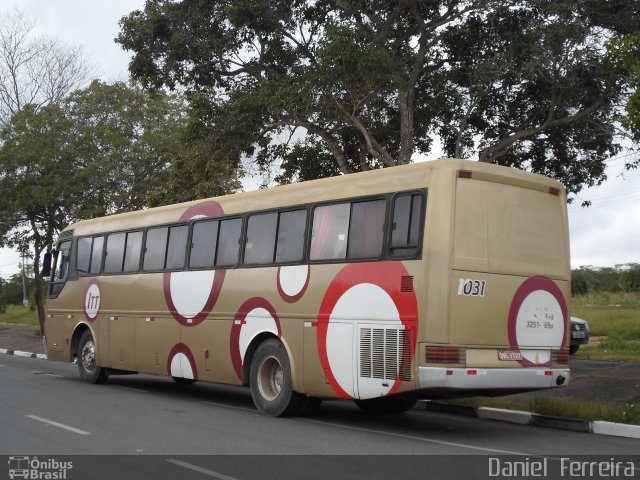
(49, 412)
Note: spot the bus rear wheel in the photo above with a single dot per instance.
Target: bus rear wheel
(392, 404)
(88, 367)
(271, 383)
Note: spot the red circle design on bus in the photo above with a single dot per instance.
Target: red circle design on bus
(293, 281)
(378, 286)
(191, 295)
(92, 300)
(537, 318)
(254, 317)
(181, 362)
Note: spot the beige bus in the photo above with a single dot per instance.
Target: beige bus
(429, 280)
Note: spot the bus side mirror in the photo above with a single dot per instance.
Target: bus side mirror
(46, 264)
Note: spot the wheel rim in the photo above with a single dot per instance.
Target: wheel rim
(270, 378)
(88, 357)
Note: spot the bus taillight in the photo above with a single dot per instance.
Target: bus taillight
(560, 356)
(448, 355)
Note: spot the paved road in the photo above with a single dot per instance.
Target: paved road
(48, 411)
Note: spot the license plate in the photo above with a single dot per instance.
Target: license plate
(579, 334)
(510, 355)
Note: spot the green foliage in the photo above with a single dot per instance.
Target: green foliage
(101, 150)
(589, 280)
(355, 85)
(625, 55)
(11, 291)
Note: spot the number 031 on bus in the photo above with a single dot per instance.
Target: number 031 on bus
(422, 281)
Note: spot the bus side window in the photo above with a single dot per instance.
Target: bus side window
(203, 244)
(405, 235)
(155, 249)
(96, 255)
(89, 256)
(177, 248)
(228, 242)
(366, 229)
(290, 243)
(261, 238)
(114, 257)
(83, 259)
(132, 252)
(329, 232)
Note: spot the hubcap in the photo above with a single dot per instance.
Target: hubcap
(270, 378)
(88, 356)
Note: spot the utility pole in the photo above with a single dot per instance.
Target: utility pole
(25, 301)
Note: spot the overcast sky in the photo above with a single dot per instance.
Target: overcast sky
(606, 234)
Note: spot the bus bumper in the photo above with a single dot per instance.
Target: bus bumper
(492, 378)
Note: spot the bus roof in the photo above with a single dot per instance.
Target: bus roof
(373, 182)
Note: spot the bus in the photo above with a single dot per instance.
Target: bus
(429, 280)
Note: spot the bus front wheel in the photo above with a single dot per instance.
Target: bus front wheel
(271, 383)
(88, 367)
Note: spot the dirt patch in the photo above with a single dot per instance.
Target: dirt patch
(611, 382)
(21, 337)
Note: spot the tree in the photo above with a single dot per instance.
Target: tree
(104, 149)
(370, 84)
(625, 52)
(35, 70)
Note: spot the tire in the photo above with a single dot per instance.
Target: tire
(89, 370)
(392, 404)
(573, 349)
(270, 381)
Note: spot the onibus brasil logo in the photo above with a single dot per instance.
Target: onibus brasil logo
(37, 469)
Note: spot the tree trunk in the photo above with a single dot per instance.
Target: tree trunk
(405, 104)
(39, 296)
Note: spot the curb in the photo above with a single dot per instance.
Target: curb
(528, 418)
(20, 353)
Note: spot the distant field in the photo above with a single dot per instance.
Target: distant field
(615, 316)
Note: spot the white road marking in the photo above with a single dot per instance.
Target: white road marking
(412, 437)
(223, 405)
(198, 469)
(59, 425)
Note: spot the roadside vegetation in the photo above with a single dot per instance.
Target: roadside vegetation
(614, 320)
(562, 407)
(19, 314)
(609, 299)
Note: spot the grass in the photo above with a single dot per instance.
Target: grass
(564, 407)
(19, 314)
(615, 316)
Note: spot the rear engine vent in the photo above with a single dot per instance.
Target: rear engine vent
(406, 284)
(385, 354)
